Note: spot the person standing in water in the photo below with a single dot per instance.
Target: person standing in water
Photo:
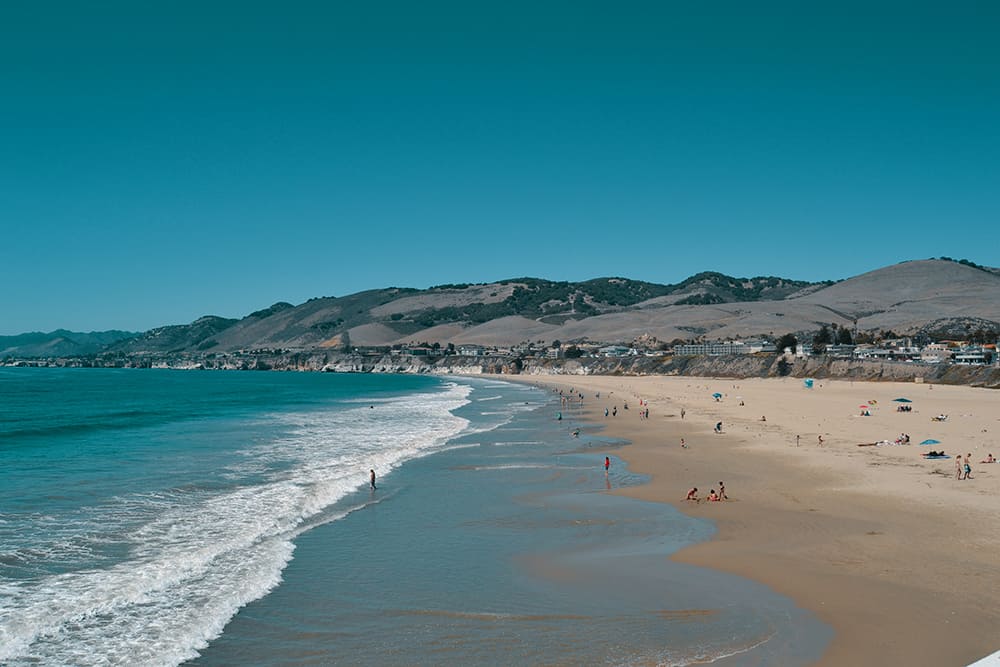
(607, 464)
(372, 479)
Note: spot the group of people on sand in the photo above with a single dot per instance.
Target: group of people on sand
(963, 464)
(963, 467)
(712, 496)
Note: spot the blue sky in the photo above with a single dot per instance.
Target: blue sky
(165, 161)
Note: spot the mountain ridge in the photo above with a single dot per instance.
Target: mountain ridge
(932, 297)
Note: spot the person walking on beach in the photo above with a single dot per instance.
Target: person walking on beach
(372, 479)
(683, 413)
(958, 466)
(607, 464)
(967, 467)
(797, 438)
(722, 492)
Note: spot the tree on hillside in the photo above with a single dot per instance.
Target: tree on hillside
(821, 340)
(785, 342)
(844, 336)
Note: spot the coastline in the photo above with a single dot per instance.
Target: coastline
(887, 548)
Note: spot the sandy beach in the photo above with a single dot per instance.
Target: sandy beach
(889, 548)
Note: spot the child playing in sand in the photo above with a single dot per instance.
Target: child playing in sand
(692, 494)
(712, 496)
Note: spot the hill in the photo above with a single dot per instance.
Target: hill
(60, 343)
(940, 297)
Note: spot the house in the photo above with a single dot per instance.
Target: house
(840, 351)
(935, 353)
(971, 356)
(615, 351)
(755, 346)
(872, 352)
(715, 349)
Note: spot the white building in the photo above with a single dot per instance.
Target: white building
(720, 348)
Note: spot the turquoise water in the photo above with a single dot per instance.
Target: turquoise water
(160, 517)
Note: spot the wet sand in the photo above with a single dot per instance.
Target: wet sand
(898, 556)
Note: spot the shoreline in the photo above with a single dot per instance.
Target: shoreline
(888, 549)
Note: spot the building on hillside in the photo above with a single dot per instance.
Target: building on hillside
(721, 348)
(615, 351)
(935, 353)
(423, 351)
(755, 346)
(471, 351)
(840, 351)
(906, 353)
(872, 352)
(972, 355)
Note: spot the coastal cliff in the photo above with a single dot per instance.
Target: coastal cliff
(733, 366)
(730, 366)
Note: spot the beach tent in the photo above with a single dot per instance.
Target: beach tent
(902, 400)
(716, 395)
(808, 382)
(931, 441)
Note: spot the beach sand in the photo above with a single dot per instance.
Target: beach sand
(898, 556)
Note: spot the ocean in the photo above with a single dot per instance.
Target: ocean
(157, 517)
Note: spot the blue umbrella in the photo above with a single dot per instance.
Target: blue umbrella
(931, 441)
(716, 395)
(902, 400)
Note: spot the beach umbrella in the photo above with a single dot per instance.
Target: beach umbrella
(863, 407)
(931, 441)
(808, 382)
(716, 395)
(902, 400)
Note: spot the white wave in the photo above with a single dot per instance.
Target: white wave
(515, 466)
(197, 555)
(468, 445)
